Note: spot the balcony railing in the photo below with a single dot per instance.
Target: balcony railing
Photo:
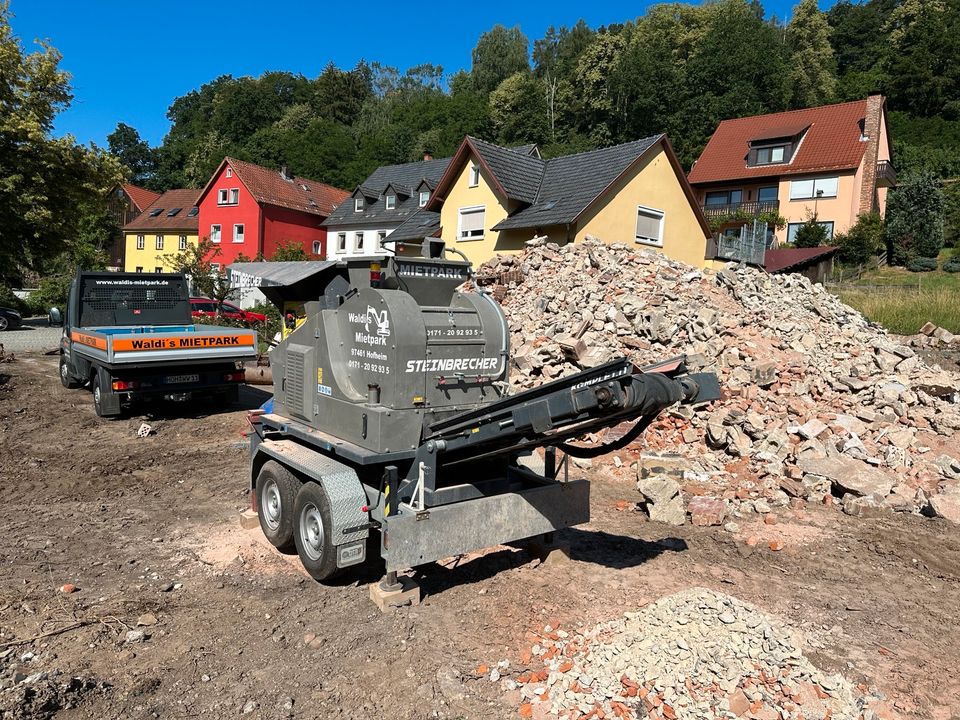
(886, 174)
(742, 209)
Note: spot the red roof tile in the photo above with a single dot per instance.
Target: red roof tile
(781, 259)
(141, 197)
(185, 199)
(268, 187)
(831, 142)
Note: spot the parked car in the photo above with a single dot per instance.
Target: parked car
(205, 307)
(9, 318)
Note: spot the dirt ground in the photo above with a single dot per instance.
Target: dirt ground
(148, 529)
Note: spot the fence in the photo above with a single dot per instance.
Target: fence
(849, 275)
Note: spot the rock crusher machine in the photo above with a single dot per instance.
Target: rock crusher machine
(391, 419)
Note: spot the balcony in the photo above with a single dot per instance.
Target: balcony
(886, 175)
(742, 210)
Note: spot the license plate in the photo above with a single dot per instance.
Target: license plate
(178, 379)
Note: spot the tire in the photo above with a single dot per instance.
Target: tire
(4, 323)
(66, 377)
(276, 496)
(313, 531)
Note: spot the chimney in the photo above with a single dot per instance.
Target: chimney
(286, 174)
(871, 131)
(427, 155)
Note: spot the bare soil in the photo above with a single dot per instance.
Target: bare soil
(149, 526)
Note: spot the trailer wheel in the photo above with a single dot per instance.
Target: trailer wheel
(276, 494)
(66, 377)
(313, 532)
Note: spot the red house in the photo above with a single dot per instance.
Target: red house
(252, 210)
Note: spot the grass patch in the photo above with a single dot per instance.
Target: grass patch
(903, 301)
(904, 311)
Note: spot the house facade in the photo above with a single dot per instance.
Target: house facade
(125, 202)
(387, 199)
(493, 199)
(165, 228)
(249, 210)
(833, 162)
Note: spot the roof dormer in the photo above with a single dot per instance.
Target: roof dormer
(775, 146)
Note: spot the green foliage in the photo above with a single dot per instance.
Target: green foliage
(952, 265)
(45, 183)
(133, 153)
(862, 241)
(197, 262)
(771, 218)
(9, 300)
(500, 52)
(915, 213)
(289, 251)
(922, 264)
(810, 234)
(518, 111)
(813, 78)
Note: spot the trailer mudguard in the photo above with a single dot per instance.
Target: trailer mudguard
(340, 481)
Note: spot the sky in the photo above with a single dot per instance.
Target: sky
(130, 60)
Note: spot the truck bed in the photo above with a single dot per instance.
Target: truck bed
(146, 344)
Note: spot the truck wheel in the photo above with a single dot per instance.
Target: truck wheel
(313, 532)
(276, 494)
(66, 377)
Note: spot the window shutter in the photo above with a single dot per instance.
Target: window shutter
(648, 226)
(471, 220)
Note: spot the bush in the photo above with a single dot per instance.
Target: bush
(810, 234)
(952, 265)
(862, 241)
(8, 299)
(915, 213)
(922, 264)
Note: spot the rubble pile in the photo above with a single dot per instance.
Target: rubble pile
(695, 654)
(818, 403)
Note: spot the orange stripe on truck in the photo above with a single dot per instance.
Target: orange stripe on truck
(88, 340)
(191, 342)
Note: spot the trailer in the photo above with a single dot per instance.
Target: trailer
(392, 422)
(129, 336)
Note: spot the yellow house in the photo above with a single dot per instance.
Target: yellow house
(167, 227)
(493, 199)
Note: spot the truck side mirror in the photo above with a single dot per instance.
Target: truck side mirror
(54, 317)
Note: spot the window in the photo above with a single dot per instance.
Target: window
(724, 197)
(768, 194)
(358, 204)
(390, 202)
(424, 197)
(470, 223)
(222, 196)
(158, 270)
(139, 269)
(793, 227)
(194, 211)
(317, 247)
(173, 212)
(183, 242)
(140, 242)
(649, 226)
(159, 242)
(215, 233)
(238, 233)
(358, 241)
(381, 236)
(814, 188)
(341, 242)
(214, 267)
(771, 155)
(474, 175)
(156, 212)
(234, 196)
(229, 172)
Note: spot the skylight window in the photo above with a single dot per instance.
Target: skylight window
(156, 212)
(194, 211)
(173, 212)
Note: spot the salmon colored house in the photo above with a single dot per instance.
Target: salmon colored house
(831, 161)
(252, 210)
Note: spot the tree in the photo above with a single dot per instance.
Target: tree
(133, 152)
(45, 182)
(813, 78)
(197, 263)
(915, 212)
(518, 110)
(499, 53)
(810, 234)
(287, 251)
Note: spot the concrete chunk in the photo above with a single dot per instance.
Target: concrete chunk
(849, 476)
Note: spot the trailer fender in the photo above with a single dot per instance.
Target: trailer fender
(340, 481)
